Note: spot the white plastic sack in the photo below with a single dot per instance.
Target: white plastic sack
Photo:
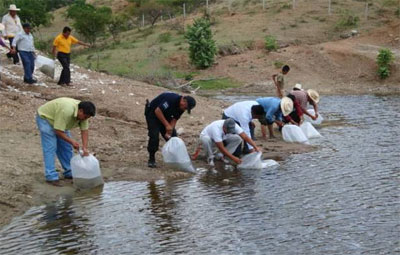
(175, 155)
(45, 65)
(254, 161)
(309, 130)
(293, 134)
(86, 172)
(318, 121)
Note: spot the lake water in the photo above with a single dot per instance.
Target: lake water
(341, 199)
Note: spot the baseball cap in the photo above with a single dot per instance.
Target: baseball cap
(229, 125)
(191, 103)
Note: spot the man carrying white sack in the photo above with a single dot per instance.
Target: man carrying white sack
(226, 135)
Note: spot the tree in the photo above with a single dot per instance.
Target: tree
(202, 48)
(89, 21)
(33, 12)
(117, 24)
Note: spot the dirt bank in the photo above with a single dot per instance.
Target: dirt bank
(117, 133)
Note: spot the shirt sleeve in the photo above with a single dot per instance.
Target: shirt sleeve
(4, 21)
(74, 40)
(2, 43)
(56, 42)
(238, 129)
(15, 41)
(84, 125)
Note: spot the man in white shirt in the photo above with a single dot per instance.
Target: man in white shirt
(226, 135)
(24, 42)
(12, 25)
(243, 113)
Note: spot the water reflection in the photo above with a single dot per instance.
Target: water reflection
(341, 199)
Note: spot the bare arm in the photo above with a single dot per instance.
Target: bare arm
(249, 141)
(264, 131)
(66, 138)
(223, 150)
(83, 44)
(85, 140)
(54, 51)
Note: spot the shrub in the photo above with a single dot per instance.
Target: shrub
(270, 43)
(202, 47)
(164, 37)
(397, 12)
(383, 72)
(384, 59)
(278, 64)
(347, 19)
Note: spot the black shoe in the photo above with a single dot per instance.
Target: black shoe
(152, 164)
(34, 81)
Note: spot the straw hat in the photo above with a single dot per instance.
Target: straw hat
(286, 106)
(1, 27)
(297, 86)
(313, 95)
(13, 7)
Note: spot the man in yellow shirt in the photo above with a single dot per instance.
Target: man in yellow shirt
(54, 120)
(62, 50)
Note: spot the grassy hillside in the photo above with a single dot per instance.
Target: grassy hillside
(159, 53)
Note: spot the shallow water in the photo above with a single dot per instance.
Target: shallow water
(341, 199)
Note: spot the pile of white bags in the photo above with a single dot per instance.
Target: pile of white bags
(45, 65)
(254, 161)
(294, 134)
(309, 130)
(318, 121)
(86, 172)
(175, 155)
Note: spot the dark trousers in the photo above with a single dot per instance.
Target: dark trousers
(155, 128)
(28, 61)
(65, 77)
(239, 150)
(14, 56)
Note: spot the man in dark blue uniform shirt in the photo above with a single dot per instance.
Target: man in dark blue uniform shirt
(162, 113)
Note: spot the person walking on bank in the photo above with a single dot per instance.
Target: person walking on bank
(279, 81)
(62, 50)
(24, 43)
(12, 25)
(54, 120)
(162, 113)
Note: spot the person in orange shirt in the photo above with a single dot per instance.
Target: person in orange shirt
(62, 50)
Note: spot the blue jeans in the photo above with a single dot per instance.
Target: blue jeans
(53, 145)
(28, 61)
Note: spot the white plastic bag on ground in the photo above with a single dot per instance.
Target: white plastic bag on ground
(309, 130)
(45, 65)
(318, 121)
(175, 154)
(254, 161)
(86, 172)
(294, 134)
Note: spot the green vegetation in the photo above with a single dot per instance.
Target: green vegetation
(278, 64)
(270, 43)
(214, 84)
(89, 21)
(202, 47)
(164, 37)
(384, 59)
(347, 19)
